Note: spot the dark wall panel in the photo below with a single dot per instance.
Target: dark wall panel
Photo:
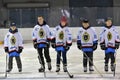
(90, 3)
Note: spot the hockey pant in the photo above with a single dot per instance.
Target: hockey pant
(46, 54)
(18, 60)
(63, 56)
(109, 55)
(86, 57)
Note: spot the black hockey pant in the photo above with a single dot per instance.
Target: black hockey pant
(46, 54)
(86, 57)
(109, 55)
(18, 60)
(63, 56)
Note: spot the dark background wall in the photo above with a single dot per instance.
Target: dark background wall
(91, 3)
(11, 13)
(93, 9)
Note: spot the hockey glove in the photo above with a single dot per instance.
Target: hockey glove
(117, 45)
(53, 40)
(103, 46)
(20, 49)
(67, 48)
(79, 46)
(35, 46)
(68, 44)
(48, 44)
(95, 46)
(6, 49)
(53, 45)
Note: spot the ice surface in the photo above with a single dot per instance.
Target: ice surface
(30, 66)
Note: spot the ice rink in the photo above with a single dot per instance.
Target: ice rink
(30, 66)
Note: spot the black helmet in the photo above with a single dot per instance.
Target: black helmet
(12, 24)
(85, 20)
(108, 18)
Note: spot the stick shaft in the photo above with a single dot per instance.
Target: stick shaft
(63, 63)
(115, 63)
(93, 65)
(42, 64)
(6, 67)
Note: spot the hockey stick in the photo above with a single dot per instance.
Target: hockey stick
(42, 64)
(115, 63)
(70, 75)
(93, 65)
(6, 67)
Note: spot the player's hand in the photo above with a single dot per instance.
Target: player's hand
(79, 47)
(103, 47)
(117, 45)
(48, 44)
(67, 48)
(6, 49)
(53, 45)
(35, 45)
(20, 49)
(94, 46)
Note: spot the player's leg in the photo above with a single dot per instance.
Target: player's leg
(47, 56)
(106, 61)
(10, 63)
(19, 64)
(64, 61)
(41, 60)
(112, 61)
(90, 55)
(85, 62)
(58, 61)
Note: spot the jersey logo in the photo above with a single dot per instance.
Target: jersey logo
(81, 31)
(117, 37)
(41, 33)
(61, 35)
(13, 40)
(8, 36)
(57, 29)
(109, 36)
(86, 37)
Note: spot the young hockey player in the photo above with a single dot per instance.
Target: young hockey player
(41, 39)
(13, 45)
(61, 41)
(87, 42)
(109, 41)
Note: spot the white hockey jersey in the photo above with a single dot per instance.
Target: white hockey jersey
(62, 36)
(13, 41)
(41, 33)
(109, 36)
(87, 37)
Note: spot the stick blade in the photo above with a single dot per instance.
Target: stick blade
(71, 76)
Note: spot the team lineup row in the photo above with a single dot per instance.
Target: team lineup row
(61, 39)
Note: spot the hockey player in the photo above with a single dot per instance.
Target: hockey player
(41, 39)
(87, 42)
(13, 45)
(109, 41)
(61, 41)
